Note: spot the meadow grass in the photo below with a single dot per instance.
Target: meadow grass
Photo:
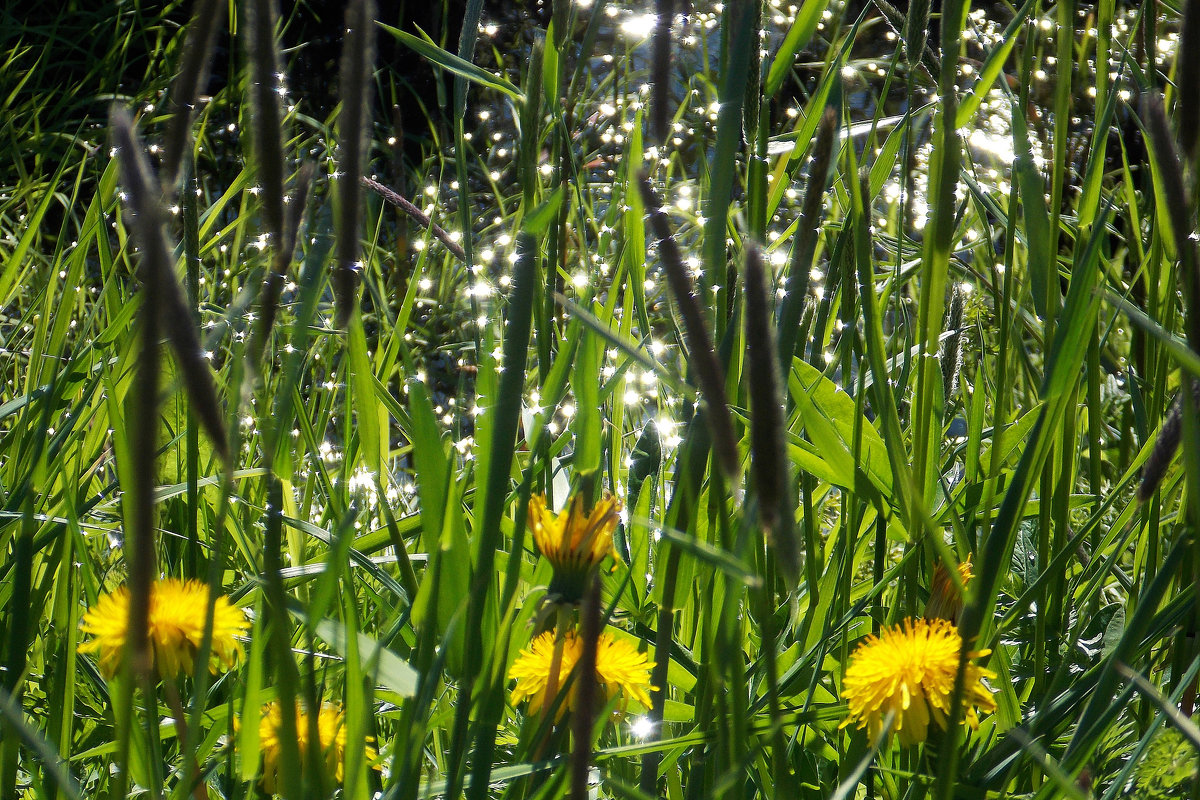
(835, 299)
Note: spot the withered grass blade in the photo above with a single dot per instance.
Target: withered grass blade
(952, 355)
(420, 217)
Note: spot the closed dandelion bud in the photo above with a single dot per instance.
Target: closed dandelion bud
(945, 599)
(574, 541)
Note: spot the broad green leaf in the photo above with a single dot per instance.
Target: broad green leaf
(388, 668)
(828, 415)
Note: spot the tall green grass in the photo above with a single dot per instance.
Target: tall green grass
(886, 294)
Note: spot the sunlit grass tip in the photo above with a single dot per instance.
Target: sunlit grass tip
(909, 670)
(176, 628)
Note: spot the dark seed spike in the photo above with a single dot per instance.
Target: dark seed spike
(1165, 446)
(1178, 205)
(157, 264)
(358, 59)
(197, 377)
(1187, 79)
(768, 429)
(193, 73)
(916, 32)
(709, 373)
(294, 215)
(645, 459)
(273, 283)
(807, 232)
(146, 225)
(660, 72)
(952, 351)
(262, 50)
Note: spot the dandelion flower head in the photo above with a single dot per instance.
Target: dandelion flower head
(176, 628)
(910, 670)
(574, 541)
(331, 728)
(621, 671)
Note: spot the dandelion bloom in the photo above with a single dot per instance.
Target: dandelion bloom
(177, 610)
(945, 600)
(331, 727)
(621, 671)
(910, 670)
(574, 541)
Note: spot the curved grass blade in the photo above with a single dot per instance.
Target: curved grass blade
(448, 61)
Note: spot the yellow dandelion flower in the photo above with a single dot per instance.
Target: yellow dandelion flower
(621, 671)
(574, 541)
(331, 727)
(176, 630)
(910, 670)
(945, 601)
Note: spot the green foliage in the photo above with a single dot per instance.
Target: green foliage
(1169, 767)
(975, 281)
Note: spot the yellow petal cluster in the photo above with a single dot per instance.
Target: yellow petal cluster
(574, 539)
(909, 670)
(331, 728)
(176, 628)
(621, 671)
